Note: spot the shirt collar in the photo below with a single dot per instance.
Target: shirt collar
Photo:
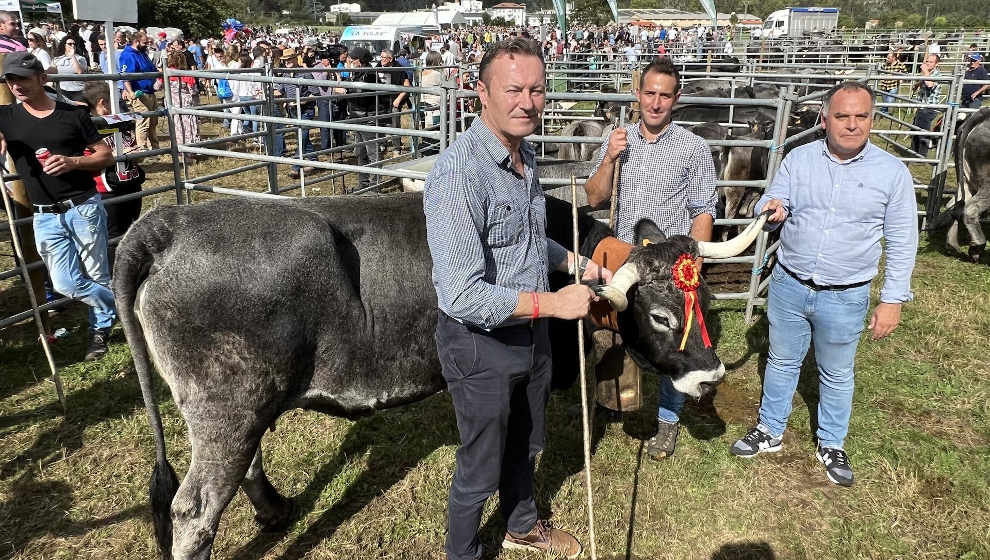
(862, 153)
(664, 133)
(497, 149)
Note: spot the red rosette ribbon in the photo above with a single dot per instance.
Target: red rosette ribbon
(687, 279)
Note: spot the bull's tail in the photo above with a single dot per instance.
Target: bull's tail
(135, 255)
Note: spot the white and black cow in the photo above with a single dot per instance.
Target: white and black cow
(252, 308)
(972, 199)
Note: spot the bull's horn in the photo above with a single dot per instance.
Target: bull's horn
(734, 246)
(622, 280)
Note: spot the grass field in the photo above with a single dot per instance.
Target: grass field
(74, 485)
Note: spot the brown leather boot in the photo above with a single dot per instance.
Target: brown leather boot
(545, 538)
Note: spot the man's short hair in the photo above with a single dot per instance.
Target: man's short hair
(661, 65)
(509, 47)
(846, 86)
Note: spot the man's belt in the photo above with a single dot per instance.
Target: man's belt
(819, 287)
(64, 205)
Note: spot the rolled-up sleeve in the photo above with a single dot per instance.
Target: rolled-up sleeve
(900, 230)
(702, 197)
(780, 189)
(455, 211)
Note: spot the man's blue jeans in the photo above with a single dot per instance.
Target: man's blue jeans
(73, 246)
(307, 115)
(671, 401)
(835, 319)
(888, 97)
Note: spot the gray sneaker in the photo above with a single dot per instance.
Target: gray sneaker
(663, 443)
(757, 440)
(97, 347)
(837, 467)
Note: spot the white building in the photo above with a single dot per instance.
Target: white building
(345, 8)
(509, 11)
(463, 6)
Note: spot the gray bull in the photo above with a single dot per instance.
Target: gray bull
(972, 198)
(249, 309)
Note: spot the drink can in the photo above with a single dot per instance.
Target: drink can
(42, 154)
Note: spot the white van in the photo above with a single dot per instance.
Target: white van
(375, 38)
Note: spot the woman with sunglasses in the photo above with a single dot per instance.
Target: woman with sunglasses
(39, 48)
(68, 61)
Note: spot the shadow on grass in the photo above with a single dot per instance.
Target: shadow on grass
(747, 550)
(40, 508)
(394, 450)
(107, 398)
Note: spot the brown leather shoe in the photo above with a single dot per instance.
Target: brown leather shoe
(545, 538)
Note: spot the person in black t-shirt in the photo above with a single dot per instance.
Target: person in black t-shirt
(366, 143)
(70, 224)
(394, 102)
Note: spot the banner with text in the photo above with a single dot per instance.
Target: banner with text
(561, 8)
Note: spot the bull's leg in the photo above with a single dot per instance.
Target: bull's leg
(975, 207)
(216, 470)
(271, 510)
(952, 236)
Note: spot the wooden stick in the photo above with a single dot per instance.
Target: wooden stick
(615, 176)
(585, 429)
(16, 241)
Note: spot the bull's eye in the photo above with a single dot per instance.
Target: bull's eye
(662, 320)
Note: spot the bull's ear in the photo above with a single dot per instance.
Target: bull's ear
(647, 231)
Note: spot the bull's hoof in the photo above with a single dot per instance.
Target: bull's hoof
(976, 252)
(279, 521)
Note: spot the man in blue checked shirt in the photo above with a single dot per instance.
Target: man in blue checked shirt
(667, 175)
(486, 228)
(833, 200)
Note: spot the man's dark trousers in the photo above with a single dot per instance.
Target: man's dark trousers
(923, 119)
(499, 382)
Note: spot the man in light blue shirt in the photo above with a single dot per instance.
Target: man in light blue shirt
(834, 200)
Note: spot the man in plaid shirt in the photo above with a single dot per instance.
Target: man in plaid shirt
(889, 86)
(668, 176)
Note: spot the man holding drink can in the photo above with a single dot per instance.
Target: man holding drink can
(46, 140)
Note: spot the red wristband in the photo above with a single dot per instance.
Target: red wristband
(536, 305)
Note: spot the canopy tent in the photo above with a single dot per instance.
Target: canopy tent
(33, 7)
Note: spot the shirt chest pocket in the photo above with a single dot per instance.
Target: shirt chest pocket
(505, 225)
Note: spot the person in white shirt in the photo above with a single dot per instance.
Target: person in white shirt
(36, 46)
(68, 62)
